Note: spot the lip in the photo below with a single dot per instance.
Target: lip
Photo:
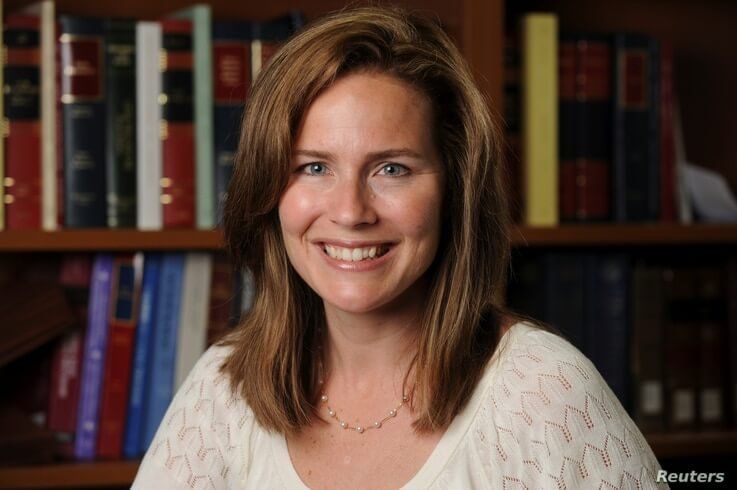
(361, 266)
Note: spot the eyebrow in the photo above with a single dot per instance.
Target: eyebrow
(377, 155)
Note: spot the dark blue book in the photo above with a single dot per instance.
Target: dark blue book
(141, 367)
(161, 381)
(93, 358)
(564, 295)
(82, 49)
(607, 314)
(636, 138)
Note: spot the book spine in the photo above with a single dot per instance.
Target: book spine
(667, 136)
(648, 347)
(64, 392)
(192, 333)
(161, 384)
(231, 84)
(82, 95)
(177, 128)
(124, 298)
(148, 121)
(564, 298)
(22, 125)
(636, 165)
(49, 199)
(3, 128)
(607, 313)
(585, 128)
(94, 358)
(540, 119)
(140, 370)
(120, 68)
(732, 339)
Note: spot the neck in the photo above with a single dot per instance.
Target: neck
(370, 353)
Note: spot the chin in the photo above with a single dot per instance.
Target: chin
(354, 304)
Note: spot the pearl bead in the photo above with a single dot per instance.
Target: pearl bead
(392, 413)
(359, 429)
(324, 398)
(331, 413)
(405, 398)
(343, 424)
(377, 424)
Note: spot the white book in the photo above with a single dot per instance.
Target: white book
(49, 204)
(193, 314)
(148, 122)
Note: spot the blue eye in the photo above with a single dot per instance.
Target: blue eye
(400, 169)
(312, 168)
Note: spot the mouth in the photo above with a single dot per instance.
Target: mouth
(360, 254)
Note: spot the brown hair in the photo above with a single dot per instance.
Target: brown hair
(273, 363)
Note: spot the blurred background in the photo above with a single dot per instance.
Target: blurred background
(120, 122)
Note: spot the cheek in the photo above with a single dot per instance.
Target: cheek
(295, 211)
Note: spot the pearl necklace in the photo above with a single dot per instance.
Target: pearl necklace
(360, 428)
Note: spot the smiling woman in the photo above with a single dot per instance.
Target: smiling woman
(367, 200)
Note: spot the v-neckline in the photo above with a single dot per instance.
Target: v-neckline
(440, 455)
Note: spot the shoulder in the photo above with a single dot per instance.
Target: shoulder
(204, 432)
(555, 419)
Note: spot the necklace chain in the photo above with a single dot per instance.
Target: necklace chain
(361, 428)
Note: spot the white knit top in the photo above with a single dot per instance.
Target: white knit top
(541, 417)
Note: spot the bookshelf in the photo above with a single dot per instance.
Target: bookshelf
(706, 66)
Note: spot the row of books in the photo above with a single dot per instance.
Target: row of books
(593, 126)
(142, 322)
(664, 336)
(122, 123)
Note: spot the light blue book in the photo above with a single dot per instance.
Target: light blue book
(93, 358)
(163, 356)
(140, 369)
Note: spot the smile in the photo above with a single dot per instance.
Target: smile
(355, 254)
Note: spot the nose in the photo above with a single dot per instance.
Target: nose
(350, 203)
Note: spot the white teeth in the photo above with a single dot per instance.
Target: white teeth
(352, 254)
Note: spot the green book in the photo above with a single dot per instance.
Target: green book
(201, 17)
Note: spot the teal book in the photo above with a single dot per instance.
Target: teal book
(201, 17)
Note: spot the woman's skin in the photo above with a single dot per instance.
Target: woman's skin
(365, 168)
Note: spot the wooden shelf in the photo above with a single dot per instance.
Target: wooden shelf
(686, 444)
(71, 475)
(606, 235)
(121, 473)
(108, 240)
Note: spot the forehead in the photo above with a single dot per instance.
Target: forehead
(365, 109)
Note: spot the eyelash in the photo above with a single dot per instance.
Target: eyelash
(302, 168)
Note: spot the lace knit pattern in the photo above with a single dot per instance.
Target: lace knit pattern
(546, 419)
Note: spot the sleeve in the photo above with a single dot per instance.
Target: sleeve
(192, 447)
(571, 430)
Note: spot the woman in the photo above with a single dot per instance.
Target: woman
(367, 201)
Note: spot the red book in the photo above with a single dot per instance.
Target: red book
(178, 191)
(585, 91)
(667, 138)
(23, 137)
(124, 300)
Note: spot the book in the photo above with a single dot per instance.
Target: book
(585, 89)
(81, 44)
(267, 37)
(93, 364)
(635, 150)
(648, 347)
(193, 314)
(141, 364)
(160, 387)
(120, 113)
(178, 189)
(2, 136)
(22, 125)
(668, 181)
(124, 301)
(539, 48)
(200, 17)
(148, 114)
(231, 51)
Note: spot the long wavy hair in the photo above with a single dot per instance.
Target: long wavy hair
(273, 362)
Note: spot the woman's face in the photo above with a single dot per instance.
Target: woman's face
(366, 181)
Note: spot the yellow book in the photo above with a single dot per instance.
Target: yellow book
(540, 119)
